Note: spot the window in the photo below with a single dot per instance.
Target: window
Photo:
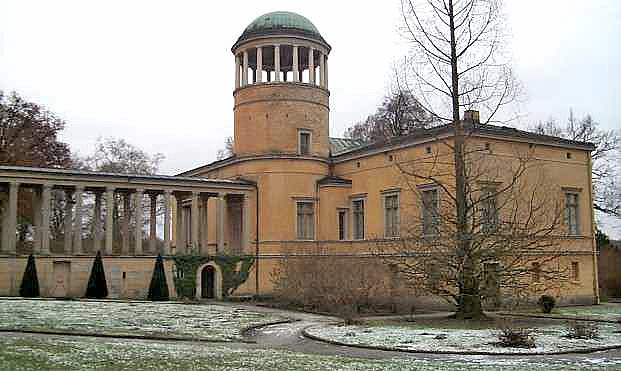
(306, 220)
(430, 212)
(536, 272)
(568, 155)
(571, 213)
(489, 213)
(358, 207)
(342, 224)
(490, 278)
(575, 271)
(487, 146)
(391, 216)
(433, 276)
(428, 150)
(304, 142)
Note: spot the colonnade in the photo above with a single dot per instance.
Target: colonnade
(269, 58)
(102, 225)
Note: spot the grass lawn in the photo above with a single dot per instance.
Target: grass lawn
(602, 311)
(35, 352)
(206, 322)
(449, 335)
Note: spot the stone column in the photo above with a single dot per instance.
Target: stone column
(245, 69)
(246, 225)
(109, 219)
(236, 71)
(77, 223)
(153, 223)
(295, 64)
(10, 220)
(166, 223)
(311, 66)
(179, 228)
(125, 231)
(44, 235)
(205, 226)
(259, 64)
(277, 63)
(68, 220)
(97, 223)
(138, 215)
(325, 75)
(36, 222)
(194, 221)
(221, 221)
(322, 71)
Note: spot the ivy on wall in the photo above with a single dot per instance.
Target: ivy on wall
(235, 270)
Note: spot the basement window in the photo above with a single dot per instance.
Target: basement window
(568, 155)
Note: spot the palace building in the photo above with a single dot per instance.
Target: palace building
(288, 191)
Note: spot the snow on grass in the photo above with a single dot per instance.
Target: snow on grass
(423, 338)
(31, 352)
(205, 322)
(602, 311)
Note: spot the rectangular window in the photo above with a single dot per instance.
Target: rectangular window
(489, 212)
(575, 271)
(430, 212)
(571, 213)
(306, 220)
(358, 207)
(536, 272)
(391, 216)
(342, 225)
(304, 143)
(433, 276)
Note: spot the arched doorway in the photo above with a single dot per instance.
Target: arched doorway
(208, 280)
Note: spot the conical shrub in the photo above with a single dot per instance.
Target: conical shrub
(158, 290)
(30, 282)
(97, 287)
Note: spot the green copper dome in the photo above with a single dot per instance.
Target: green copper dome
(278, 23)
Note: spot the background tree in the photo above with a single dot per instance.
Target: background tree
(227, 151)
(456, 62)
(399, 114)
(606, 172)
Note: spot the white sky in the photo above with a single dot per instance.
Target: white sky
(160, 73)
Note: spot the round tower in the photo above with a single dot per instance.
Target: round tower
(281, 88)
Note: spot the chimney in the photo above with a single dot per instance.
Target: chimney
(472, 117)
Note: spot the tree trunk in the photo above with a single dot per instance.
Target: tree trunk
(469, 300)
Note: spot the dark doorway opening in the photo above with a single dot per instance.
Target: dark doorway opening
(207, 282)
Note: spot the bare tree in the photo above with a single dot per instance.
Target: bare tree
(399, 114)
(606, 168)
(227, 151)
(513, 219)
(457, 62)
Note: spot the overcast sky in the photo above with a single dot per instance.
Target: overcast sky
(160, 73)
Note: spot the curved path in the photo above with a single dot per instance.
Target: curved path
(288, 336)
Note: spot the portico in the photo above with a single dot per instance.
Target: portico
(113, 224)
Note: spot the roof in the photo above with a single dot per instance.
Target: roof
(278, 23)
(472, 129)
(103, 175)
(343, 145)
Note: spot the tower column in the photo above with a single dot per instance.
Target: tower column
(236, 71)
(325, 75)
(295, 64)
(322, 70)
(126, 214)
(179, 227)
(245, 69)
(204, 225)
(311, 66)
(259, 64)
(194, 221)
(36, 223)
(277, 63)
(221, 221)
(10, 220)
